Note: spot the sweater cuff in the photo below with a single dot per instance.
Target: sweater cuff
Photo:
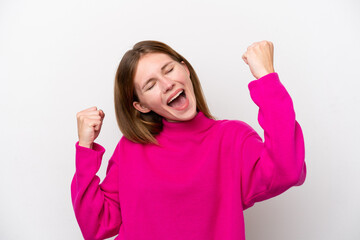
(268, 90)
(87, 159)
(271, 78)
(96, 147)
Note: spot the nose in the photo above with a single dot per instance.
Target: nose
(167, 84)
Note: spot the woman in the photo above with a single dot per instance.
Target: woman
(177, 173)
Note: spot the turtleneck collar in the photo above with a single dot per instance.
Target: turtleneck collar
(198, 124)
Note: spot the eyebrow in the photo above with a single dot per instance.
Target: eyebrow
(162, 68)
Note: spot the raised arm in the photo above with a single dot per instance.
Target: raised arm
(96, 206)
(272, 166)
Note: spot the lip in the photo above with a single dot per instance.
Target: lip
(184, 106)
(172, 95)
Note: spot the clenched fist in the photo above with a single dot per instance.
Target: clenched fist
(260, 56)
(89, 123)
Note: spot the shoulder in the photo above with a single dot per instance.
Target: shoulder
(125, 148)
(236, 126)
(127, 144)
(122, 144)
(230, 134)
(232, 130)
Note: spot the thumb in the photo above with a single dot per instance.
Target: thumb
(244, 57)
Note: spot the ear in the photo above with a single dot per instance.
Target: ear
(138, 106)
(186, 67)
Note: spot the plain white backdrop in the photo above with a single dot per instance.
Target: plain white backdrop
(60, 57)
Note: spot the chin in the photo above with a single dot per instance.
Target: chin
(188, 115)
(180, 117)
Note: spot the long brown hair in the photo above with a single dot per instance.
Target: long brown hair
(143, 127)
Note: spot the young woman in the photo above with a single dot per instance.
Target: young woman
(177, 172)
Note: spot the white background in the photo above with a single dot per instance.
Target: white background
(60, 57)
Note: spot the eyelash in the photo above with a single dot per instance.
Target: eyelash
(154, 83)
(151, 87)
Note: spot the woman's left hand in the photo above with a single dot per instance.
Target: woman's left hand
(260, 56)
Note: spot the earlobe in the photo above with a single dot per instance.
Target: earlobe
(138, 106)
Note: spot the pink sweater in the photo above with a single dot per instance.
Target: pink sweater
(196, 185)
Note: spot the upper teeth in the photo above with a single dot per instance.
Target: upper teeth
(175, 96)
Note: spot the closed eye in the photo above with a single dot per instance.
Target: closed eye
(151, 86)
(155, 82)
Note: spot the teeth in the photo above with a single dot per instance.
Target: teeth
(175, 96)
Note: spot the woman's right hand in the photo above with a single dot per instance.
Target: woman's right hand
(89, 123)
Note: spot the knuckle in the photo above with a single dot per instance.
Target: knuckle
(267, 43)
(254, 46)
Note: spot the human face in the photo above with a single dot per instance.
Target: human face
(158, 79)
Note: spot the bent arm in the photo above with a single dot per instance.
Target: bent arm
(271, 167)
(96, 206)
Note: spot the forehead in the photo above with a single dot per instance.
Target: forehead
(149, 64)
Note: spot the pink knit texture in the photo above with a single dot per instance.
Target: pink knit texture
(196, 185)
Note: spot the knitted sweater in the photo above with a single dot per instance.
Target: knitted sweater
(196, 184)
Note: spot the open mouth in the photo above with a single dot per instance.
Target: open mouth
(179, 101)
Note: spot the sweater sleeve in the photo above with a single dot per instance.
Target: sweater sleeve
(96, 206)
(271, 167)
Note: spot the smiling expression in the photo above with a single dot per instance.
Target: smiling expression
(159, 79)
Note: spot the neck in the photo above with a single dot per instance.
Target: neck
(197, 124)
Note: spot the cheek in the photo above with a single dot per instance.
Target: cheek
(154, 100)
(186, 78)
